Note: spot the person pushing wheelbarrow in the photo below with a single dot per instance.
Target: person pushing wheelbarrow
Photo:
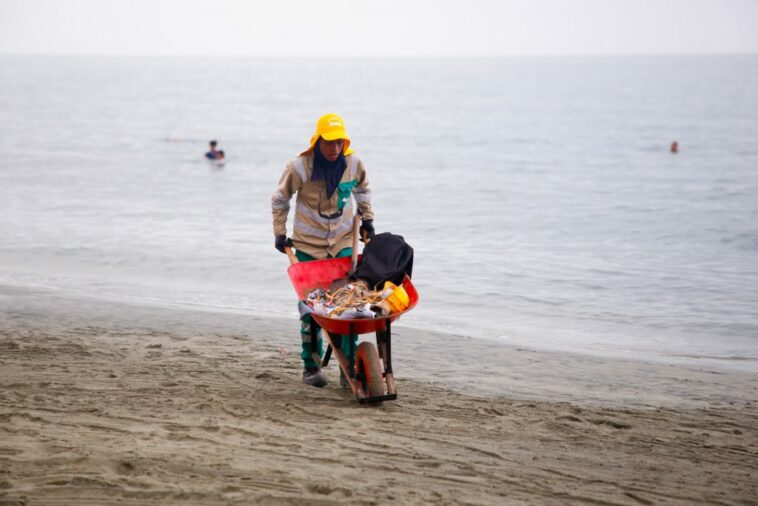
(326, 178)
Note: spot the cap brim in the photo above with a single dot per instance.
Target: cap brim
(333, 136)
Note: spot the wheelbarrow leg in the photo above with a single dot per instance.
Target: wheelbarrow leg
(384, 344)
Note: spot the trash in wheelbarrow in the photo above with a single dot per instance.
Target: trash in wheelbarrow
(356, 301)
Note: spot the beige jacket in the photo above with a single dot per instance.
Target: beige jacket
(322, 226)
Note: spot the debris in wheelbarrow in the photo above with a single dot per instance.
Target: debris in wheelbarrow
(355, 300)
(352, 301)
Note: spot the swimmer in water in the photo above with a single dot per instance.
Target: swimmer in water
(214, 154)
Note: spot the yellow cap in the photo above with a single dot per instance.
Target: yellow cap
(331, 127)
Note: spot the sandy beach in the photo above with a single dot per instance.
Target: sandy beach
(109, 402)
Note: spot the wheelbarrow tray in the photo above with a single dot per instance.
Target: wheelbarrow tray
(309, 276)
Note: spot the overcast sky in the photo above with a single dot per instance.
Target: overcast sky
(378, 27)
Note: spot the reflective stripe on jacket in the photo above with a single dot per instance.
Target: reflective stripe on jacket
(322, 226)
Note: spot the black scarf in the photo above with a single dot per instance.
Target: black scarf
(324, 170)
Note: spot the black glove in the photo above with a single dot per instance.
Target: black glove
(367, 229)
(280, 241)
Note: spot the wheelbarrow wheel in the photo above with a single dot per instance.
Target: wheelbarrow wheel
(368, 369)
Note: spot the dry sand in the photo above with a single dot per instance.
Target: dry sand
(115, 403)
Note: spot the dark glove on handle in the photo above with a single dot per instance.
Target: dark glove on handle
(280, 241)
(367, 226)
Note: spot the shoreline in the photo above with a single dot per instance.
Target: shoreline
(104, 402)
(740, 364)
(464, 364)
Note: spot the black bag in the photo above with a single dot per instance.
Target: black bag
(387, 257)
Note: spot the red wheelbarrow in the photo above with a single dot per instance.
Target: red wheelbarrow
(372, 370)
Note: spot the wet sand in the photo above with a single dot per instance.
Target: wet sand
(107, 402)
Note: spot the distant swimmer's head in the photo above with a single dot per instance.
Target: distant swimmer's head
(331, 128)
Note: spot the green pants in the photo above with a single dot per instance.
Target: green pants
(308, 354)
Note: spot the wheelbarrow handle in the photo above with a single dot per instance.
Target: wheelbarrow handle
(291, 254)
(354, 255)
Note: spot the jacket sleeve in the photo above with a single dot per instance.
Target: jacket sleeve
(362, 193)
(289, 184)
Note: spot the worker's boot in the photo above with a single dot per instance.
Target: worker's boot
(314, 376)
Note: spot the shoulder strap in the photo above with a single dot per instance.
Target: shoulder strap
(352, 166)
(300, 169)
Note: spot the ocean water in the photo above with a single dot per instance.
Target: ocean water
(539, 194)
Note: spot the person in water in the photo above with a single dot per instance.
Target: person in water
(674, 147)
(324, 177)
(214, 154)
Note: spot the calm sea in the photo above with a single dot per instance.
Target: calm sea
(539, 194)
